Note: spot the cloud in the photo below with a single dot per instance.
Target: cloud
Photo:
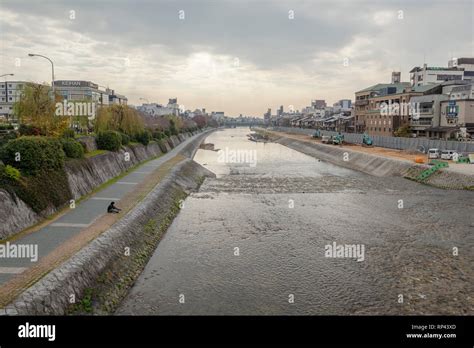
(143, 49)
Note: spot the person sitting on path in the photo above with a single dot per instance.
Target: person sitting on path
(112, 208)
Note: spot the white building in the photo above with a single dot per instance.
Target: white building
(467, 64)
(155, 109)
(10, 92)
(78, 90)
(433, 75)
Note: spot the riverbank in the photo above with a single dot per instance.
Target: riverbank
(378, 163)
(83, 177)
(118, 248)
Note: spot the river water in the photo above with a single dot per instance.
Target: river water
(255, 240)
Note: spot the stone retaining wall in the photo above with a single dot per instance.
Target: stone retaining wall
(83, 176)
(51, 295)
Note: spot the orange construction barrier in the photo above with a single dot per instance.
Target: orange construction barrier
(419, 160)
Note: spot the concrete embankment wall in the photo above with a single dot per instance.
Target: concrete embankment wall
(344, 157)
(377, 165)
(52, 294)
(83, 177)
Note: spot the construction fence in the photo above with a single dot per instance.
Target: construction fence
(391, 142)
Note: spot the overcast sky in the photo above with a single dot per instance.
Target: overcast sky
(234, 56)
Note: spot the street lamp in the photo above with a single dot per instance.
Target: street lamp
(52, 70)
(6, 75)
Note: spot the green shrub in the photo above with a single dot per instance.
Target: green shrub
(72, 148)
(11, 173)
(33, 154)
(4, 138)
(158, 135)
(47, 188)
(68, 133)
(29, 130)
(6, 126)
(143, 137)
(125, 139)
(109, 140)
(167, 133)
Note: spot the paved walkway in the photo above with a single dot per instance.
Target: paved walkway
(52, 235)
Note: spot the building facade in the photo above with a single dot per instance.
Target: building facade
(10, 93)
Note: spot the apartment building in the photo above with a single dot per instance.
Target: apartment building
(433, 75)
(383, 108)
(10, 92)
(78, 90)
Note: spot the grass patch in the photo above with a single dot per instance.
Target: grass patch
(94, 153)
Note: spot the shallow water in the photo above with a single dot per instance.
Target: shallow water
(281, 209)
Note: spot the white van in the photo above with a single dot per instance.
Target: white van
(325, 139)
(447, 154)
(433, 153)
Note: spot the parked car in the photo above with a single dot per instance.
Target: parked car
(433, 153)
(447, 154)
(326, 139)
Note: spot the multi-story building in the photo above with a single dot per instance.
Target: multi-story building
(78, 90)
(467, 64)
(383, 108)
(155, 109)
(457, 117)
(434, 75)
(426, 117)
(318, 103)
(10, 93)
(342, 105)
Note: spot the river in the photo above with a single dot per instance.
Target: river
(257, 239)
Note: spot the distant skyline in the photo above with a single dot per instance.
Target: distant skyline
(240, 57)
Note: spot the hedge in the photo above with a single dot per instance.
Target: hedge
(72, 148)
(32, 154)
(9, 173)
(143, 137)
(125, 139)
(109, 140)
(68, 133)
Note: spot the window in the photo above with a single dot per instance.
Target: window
(10, 98)
(9, 92)
(10, 85)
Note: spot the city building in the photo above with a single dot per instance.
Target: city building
(430, 75)
(426, 118)
(10, 92)
(467, 64)
(318, 103)
(155, 109)
(457, 119)
(383, 108)
(79, 90)
(396, 77)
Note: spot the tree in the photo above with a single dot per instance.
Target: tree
(403, 131)
(119, 118)
(200, 120)
(36, 109)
